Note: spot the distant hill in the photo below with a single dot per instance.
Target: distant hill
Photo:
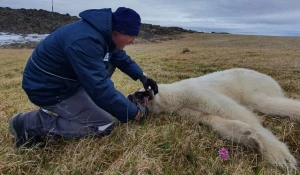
(27, 21)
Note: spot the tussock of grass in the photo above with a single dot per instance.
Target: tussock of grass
(163, 144)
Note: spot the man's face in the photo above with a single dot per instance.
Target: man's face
(121, 40)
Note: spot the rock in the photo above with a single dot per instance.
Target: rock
(29, 21)
(185, 50)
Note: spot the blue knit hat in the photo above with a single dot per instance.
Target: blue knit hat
(126, 21)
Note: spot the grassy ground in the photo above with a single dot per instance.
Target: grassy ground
(163, 144)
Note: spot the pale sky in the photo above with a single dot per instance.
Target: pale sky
(251, 17)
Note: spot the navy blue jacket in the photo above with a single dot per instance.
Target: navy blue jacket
(72, 57)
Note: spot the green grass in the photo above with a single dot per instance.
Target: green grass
(163, 144)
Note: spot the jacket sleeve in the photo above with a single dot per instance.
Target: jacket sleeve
(86, 58)
(122, 61)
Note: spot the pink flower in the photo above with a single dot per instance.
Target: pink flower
(223, 153)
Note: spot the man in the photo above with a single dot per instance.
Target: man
(68, 77)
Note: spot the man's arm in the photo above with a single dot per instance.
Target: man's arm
(123, 62)
(132, 69)
(85, 57)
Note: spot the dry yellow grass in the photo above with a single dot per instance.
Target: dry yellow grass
(163, 144)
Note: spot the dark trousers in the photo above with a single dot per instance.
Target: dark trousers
(77, 117)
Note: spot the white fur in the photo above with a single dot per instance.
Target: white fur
(224, 100)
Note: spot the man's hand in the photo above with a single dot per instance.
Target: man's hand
(142, 112)
(149, 82)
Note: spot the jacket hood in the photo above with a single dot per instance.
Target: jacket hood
(100, 19)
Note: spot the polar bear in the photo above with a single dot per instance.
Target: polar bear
(225, 100)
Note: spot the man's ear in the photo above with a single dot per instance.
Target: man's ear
(114, 33)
